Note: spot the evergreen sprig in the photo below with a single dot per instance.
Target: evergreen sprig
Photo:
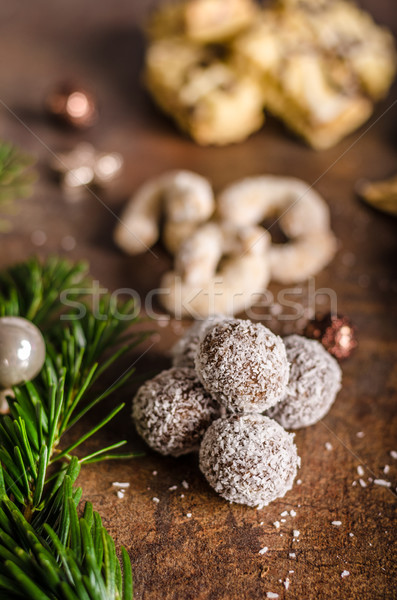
(16, 176)
(46, 550)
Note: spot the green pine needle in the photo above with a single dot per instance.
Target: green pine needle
(47, 551)
(16, 177)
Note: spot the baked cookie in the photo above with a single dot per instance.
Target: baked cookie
(206, 95)
(205, 21)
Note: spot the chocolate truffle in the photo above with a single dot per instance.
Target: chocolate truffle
(243, 365)
(315, 379)
(249, 459)
(185, 349)
(172, 411)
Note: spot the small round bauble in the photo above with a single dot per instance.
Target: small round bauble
(315, 379)
(243, 365)
(249, 459)
(172, 411)
(335, 332)
(72, 105)
(185, 350)
(22, 351)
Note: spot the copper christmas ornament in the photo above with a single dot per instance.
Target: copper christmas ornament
(72, 105)
(335, 332)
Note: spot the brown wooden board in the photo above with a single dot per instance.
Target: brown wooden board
(214, 554)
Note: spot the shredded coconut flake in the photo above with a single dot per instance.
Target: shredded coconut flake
(284, 513)
(337, 523)
(351, 534)
(360, 471)
(272, 595)
(393, 454)
(292, 555)
(185, 484)
(189, 515)
(286, 583)
(296, 533)
(360, 434)
(121, 485)
(292, 513)
(276, 524)
(173, 488)
(156, 500)
(386, 469)
(120, 493)
(382, 482)
(362, 483)
(328, 446)
(263, 550)
(345, 573)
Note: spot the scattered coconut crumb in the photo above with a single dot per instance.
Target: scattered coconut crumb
(120, 485)
(362, 483)
(360, 434)
(296, 533)
(154, 473)
(351, 534)
(345, 573)
(276, 524)
(292, 555)
(120, 494)
(393, 454)
(328, 446)
(173, 488)
(156, 500)
(271, 595)
(185, 485)
(292, 513)
(182, 495)
(354, 483)
(262, 523)
(337, 523)
(291, 571)
(281, 535)
(283, 520)
(386, 469)
(284, 513)
(263, 550)
(382, 482)
(286, 583)
(360, 471)
(299, 481)
(189, 515)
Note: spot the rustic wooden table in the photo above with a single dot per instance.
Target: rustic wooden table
(214, 554)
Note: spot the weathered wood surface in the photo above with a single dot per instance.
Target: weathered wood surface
(215, 553)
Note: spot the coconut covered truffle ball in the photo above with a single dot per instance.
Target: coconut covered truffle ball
(184, 351)
(172, 411)
(243, 365)
(249, 459)
(315, 379)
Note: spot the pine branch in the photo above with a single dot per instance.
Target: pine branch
(16, 177)
(47, 551)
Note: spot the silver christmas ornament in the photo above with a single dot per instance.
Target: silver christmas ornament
(22, 351)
